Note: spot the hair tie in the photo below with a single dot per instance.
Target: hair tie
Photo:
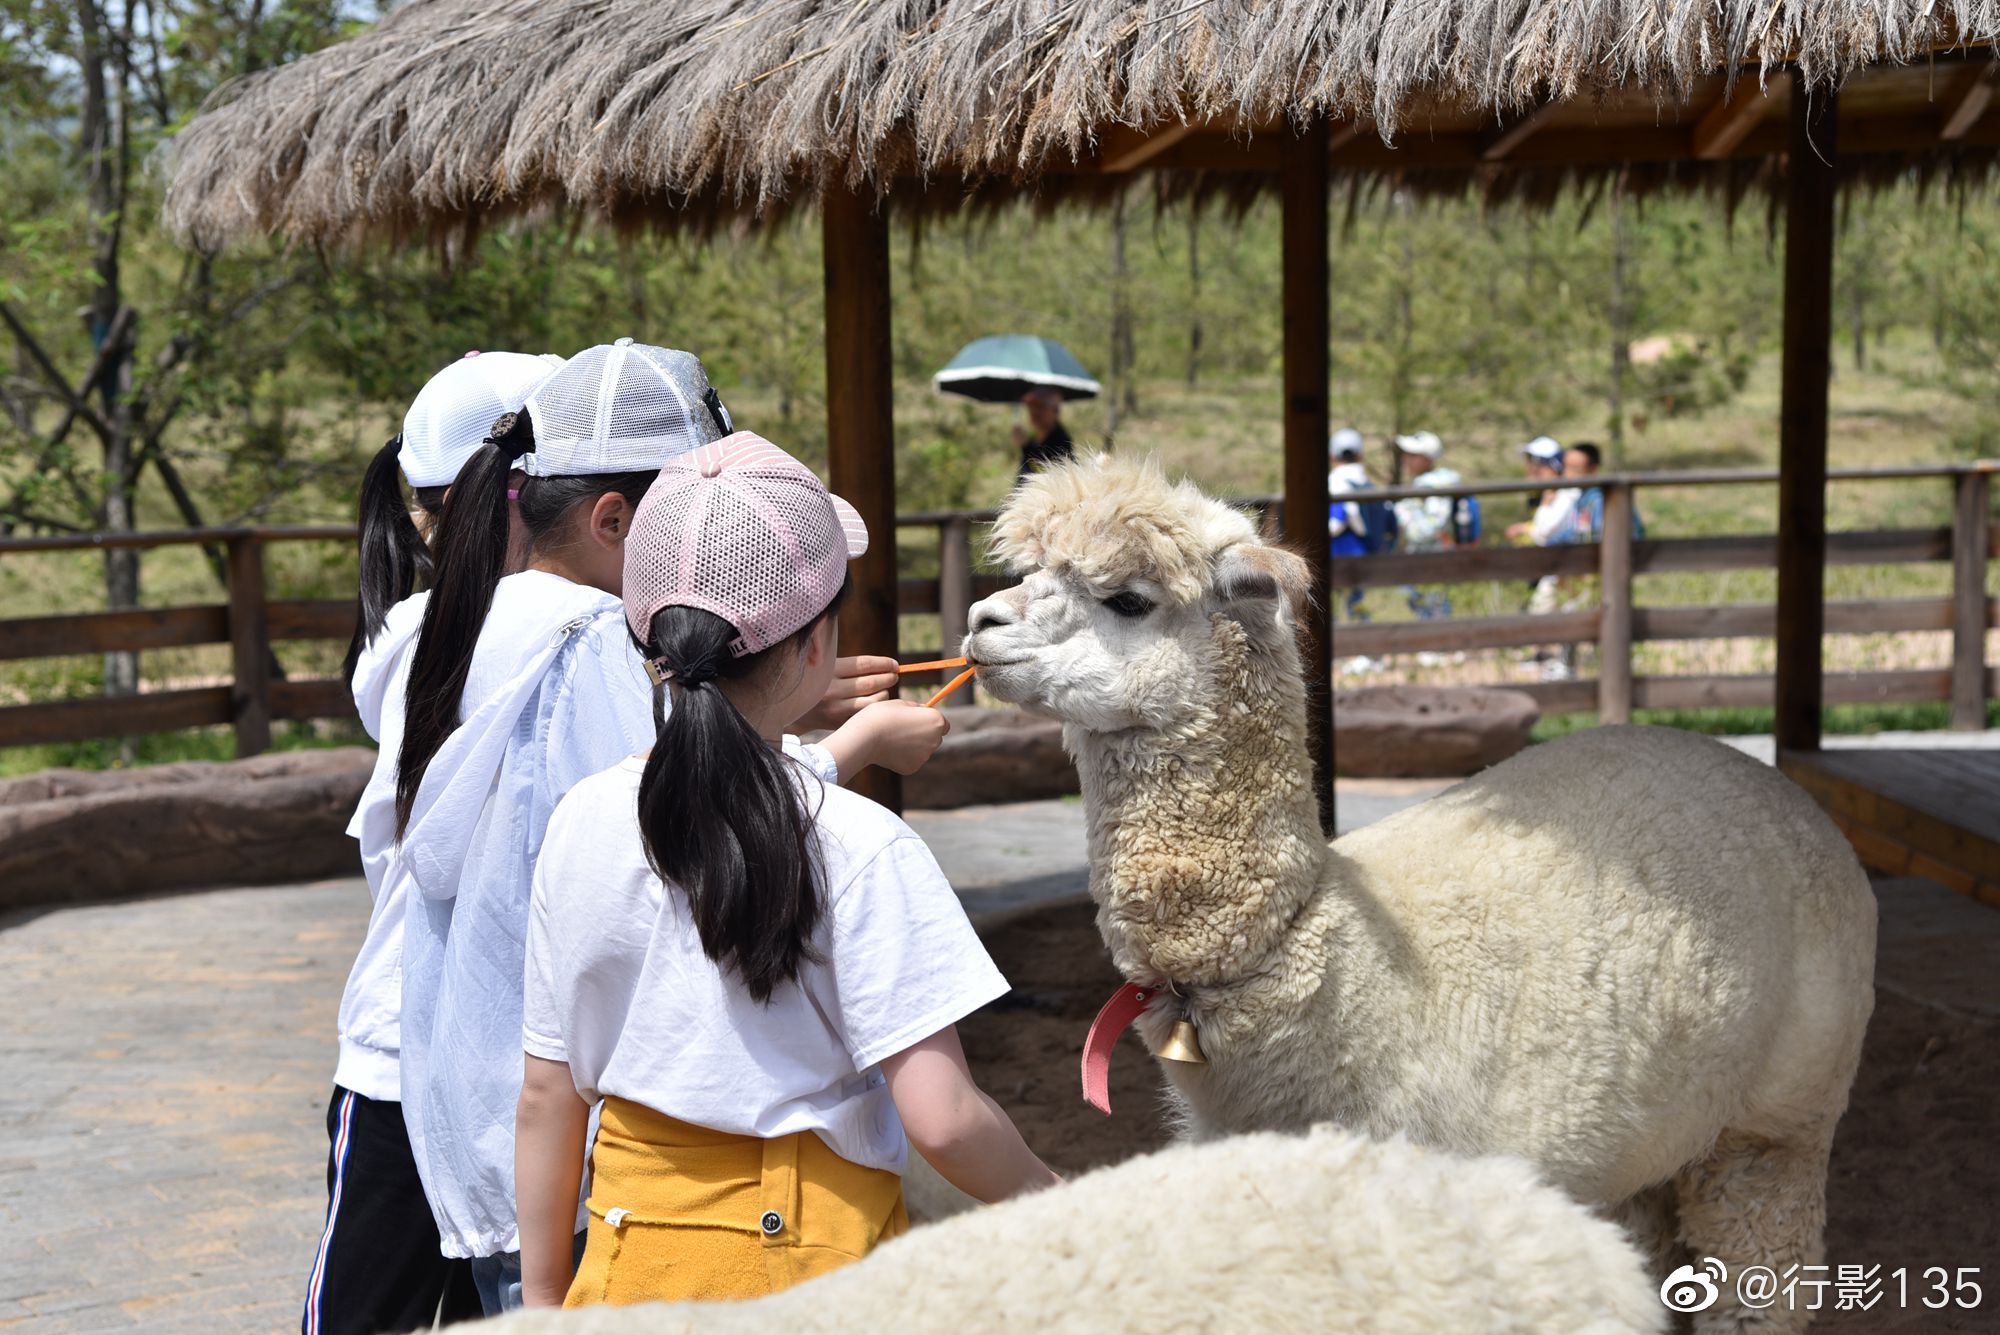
(513, 493)
(691, 676)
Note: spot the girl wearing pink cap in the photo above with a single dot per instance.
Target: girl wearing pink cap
(754, 975)
(522, 682)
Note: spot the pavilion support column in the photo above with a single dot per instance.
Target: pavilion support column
(1809, 203)
(1306, 284)
(860, 428)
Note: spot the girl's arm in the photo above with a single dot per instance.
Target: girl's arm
(894, 734)
(950, 1121)
(551, 1126)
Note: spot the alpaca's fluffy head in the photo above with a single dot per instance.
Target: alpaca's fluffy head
(1125, 573)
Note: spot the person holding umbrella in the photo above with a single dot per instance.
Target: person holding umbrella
(1044, 440)
(1038, 374)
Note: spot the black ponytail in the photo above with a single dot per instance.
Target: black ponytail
(471, 556)
(394, 556)
(722, 818)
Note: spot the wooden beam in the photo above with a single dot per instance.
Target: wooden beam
(1121, 148)
(316, 697)
(1498, 143)
(1307, 287)
(1743, 106)
(1973, 99)
(1810, 186)
(1652, 556)
(1342, 133)
(860, 428)
(249, 647)
(111, 632)
(107, 716)
(1971, 537)
(1614, 634)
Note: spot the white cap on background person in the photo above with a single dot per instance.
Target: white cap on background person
(622, 407)
(453, 413)
(1345, 444)
(1425, 443)
(1545, 450)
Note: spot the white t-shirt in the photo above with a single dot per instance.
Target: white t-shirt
(1555, 517)
(555, 693)
(1340, 479)
(618, 986)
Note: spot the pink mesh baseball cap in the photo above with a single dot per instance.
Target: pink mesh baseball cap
(741, 529)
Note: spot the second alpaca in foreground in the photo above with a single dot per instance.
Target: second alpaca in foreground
(1325, 1231)
(1635, 958)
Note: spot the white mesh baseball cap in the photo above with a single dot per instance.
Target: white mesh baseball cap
(622, 407)
(454, 412)
(741, 529)
(1425, 443)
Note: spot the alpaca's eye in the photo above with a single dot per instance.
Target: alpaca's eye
(1129, 604)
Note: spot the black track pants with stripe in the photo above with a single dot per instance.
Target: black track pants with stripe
(378, 1268)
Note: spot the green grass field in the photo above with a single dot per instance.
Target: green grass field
(1223, 434)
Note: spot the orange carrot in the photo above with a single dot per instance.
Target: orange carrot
(950, 686)
(927, 667)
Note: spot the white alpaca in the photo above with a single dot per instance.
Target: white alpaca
(1322, 1232)
(1635, 958)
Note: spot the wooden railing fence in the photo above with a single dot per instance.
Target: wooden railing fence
(258, 695)
(251, 622)
(1617, 624)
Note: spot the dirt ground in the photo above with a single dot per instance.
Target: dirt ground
(1915, 1174)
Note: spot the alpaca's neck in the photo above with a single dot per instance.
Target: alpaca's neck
(1205, 844)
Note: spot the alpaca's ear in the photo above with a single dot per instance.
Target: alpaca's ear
(1253, 572)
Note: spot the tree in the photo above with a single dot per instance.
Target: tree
(137, 66)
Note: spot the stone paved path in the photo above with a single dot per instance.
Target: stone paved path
(163, 1084)
(162, 1143)
(164, 1067)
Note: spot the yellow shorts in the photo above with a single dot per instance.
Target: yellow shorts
(680, 1213)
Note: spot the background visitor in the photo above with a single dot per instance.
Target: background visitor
(1044, 440)
(1554, 524)
(1425, 524)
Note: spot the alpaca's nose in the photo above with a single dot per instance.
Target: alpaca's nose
(990, 614)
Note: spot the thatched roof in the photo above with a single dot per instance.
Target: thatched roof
(453, 112)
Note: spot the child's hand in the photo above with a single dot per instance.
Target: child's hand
(898, 735)
(858, 682)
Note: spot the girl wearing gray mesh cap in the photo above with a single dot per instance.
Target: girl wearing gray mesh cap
(521, 685)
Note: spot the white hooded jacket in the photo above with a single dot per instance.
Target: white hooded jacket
(371, 1005)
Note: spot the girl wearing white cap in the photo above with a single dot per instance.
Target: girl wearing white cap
(377, 1267)
(521, 685)
(754, 974)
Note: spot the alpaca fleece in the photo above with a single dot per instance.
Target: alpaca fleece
(1322, 1231)
(1635, 958)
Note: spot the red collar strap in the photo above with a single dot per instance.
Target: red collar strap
(1127, 1004)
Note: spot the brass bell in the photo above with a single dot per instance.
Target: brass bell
(1183, 1045)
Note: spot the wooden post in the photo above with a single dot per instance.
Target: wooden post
(1809, 199)
(954, 591)
(1306, 282)
(249, 646)
(1614, 626)
(860, 428)
(1971, 540)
